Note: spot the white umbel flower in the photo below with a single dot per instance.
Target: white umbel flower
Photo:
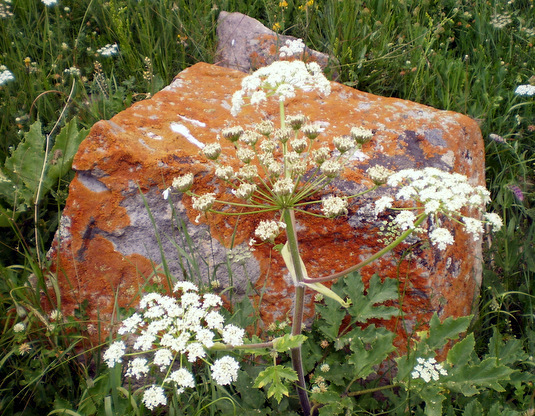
(225, 370)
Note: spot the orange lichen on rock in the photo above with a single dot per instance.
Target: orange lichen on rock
(107, 244)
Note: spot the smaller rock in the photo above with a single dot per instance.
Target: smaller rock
(246, 44)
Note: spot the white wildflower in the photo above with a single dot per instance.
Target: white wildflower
(379, 174)
(473, 226)
(49, 3)
(154, 396)
(108, 50)
(114, 353)
(163, 358)
(428, 370)
(494, 220)
(214, 320)
(281, 78)
(19, 327)
(211, 300)
(5, 75)
(183, 183)
(331, 168)
(195, 350)
(185, 286)
(333, 206)
(244, 191)
(291, 48)
(225, 370)
(360, 134)
(268, 230)
(527, 89)
(129, 325)
(233, 335)
(203, 202)
(441, 237)
(245, 154)
(224, 173)
(212, 151)
(137, 368)
(343, 143)
(182, 378)
(405, 220)
(283, 187)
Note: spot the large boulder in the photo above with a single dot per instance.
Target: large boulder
(117, 229)
(246, 44)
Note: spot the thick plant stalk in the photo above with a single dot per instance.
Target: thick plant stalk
(299, 297)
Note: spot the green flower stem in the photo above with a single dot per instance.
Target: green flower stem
(299, 298)
(220, 346)
(373, 390)
(377, 255)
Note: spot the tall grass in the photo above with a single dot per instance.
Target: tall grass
(466, 56)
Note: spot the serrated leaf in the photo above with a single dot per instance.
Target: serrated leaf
(468, 379)
(433, 400)
(460, 353)
(26, 161)
(508, 352)
(288, 341)
(62, 154)
(331, 316)
(441, 332)
(276, 376)
(473, 408)
(367, 306)
(370, 347)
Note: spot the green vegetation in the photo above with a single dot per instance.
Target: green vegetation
(60, 73)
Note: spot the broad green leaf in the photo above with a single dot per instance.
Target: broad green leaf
(276, 377)
(26, 162)
(367, 306)
(508, 352)
(370, 347)
(441, 333)
(473, 408)
(433, 400)
(460, 353)
(331, 317)
(288, 341)
(62, 153)
(468, 379)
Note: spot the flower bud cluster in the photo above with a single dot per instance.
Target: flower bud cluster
(167, 329)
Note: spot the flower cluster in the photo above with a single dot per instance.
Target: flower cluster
(438, 192)
(428, 370)
(108, 50)
(281, 78)
(292, 48)
(175, 331)
(5, 75)
(526, 89)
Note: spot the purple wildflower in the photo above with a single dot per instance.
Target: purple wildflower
(517, 191)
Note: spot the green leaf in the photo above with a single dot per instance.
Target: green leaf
(468, 379)
(288, 341)
(276, 376)
(510, 352)
(473, 408)
(370, 347)
(331, 317)
(62, 154)
(367, 306)
(460, 353)
(433, 400)
(441, 333)
(26, 161)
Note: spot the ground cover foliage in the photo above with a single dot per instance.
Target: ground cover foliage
(60, 73)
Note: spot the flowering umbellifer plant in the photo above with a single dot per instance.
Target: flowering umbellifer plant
(282, 170)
